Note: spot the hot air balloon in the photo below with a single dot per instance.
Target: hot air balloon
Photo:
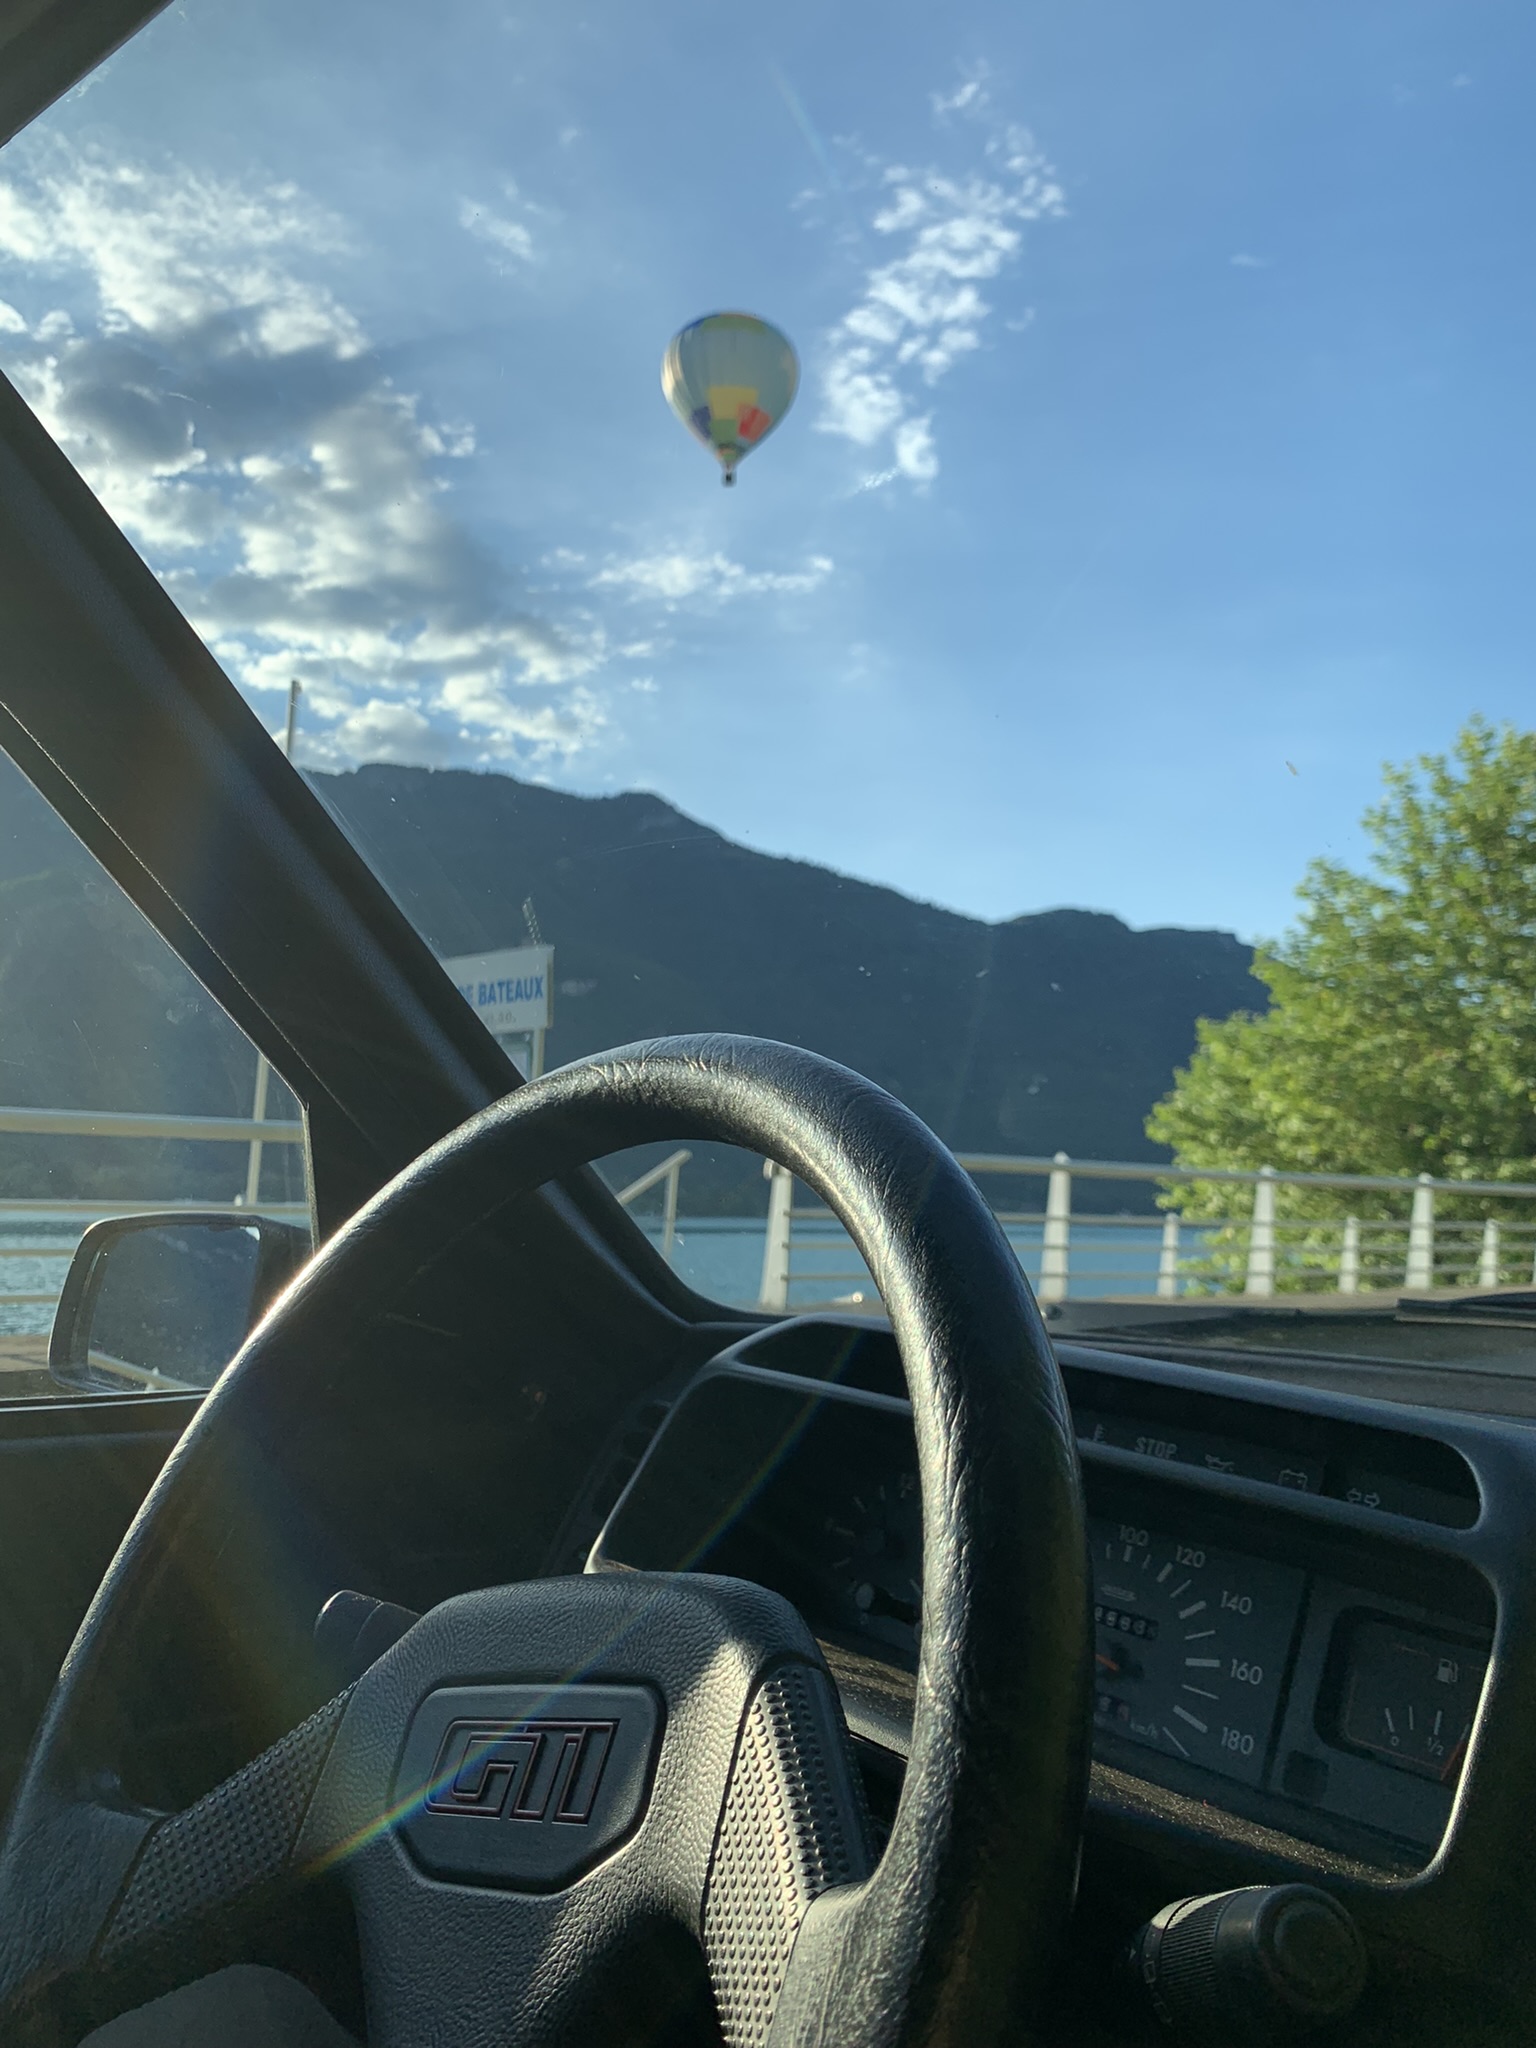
(730, 378)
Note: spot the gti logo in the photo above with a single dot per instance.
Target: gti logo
(530, 1770)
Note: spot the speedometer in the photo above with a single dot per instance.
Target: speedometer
(1190, 1645)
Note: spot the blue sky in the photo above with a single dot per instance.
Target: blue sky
(1161, 464)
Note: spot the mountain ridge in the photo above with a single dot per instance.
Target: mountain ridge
(1050, 1030)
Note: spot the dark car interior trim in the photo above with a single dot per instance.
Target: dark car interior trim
(46, 46)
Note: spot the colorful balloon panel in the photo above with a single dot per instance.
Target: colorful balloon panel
(730, 378)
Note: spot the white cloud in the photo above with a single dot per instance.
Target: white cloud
(1243, 261)
(964, 96)
(916, 455)
(922, 311)
(381, 731)
(860, 401)
(223, 403)
(673, 577)
(511, 236)
(169, 252)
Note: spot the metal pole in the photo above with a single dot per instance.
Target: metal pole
(1349, 1257)
(518, 1047)
(1260, 1278)
(536, 1062)
(1488, 1264)
(774, 1291)
(669, 1206)
(1168, 1258)
(1055, 1244)
(1420, 1271)
(263, 1071)
(258, 1115)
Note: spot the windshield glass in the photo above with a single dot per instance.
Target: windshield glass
(1097, 706)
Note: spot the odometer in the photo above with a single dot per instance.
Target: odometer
(1190, 1644)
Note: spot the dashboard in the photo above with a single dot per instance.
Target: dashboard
(1301, 1602)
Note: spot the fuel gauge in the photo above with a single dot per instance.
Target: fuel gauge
(1409, 1698)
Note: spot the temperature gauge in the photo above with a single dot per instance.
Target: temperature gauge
(1409, 1698)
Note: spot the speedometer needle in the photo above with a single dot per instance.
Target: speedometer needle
(1119, 1666)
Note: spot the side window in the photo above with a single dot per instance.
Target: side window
(126, 1094)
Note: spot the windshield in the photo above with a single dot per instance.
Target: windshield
(1058, 646)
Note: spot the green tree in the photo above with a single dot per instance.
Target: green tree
(1401, 1036)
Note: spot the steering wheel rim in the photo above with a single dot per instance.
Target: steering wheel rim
(949, 1937)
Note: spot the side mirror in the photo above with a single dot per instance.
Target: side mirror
(161, 1303)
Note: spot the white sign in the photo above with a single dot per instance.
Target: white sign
(510, 991)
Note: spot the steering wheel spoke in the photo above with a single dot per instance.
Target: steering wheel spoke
(793, 1828)
(235, 1844)
(137, 1895)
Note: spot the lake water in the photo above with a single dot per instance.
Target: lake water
(721, 1256)
(34, 1258)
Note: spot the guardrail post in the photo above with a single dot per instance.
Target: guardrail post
(1488, 1262)
(1260, 1278)
(1420, 1271)
(1168, 1258)
(258, 1115)
(1349, 1257)
(1055, 1244)
(774, 1291)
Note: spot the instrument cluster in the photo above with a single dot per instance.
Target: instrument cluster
(1327, 1690)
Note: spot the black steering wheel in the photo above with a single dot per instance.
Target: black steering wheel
(543, 1789)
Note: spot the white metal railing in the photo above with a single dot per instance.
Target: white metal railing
(1255, 1247)
(71, 1217)
(669, 1172)
(115, 1123)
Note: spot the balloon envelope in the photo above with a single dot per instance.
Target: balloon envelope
(730, 378)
